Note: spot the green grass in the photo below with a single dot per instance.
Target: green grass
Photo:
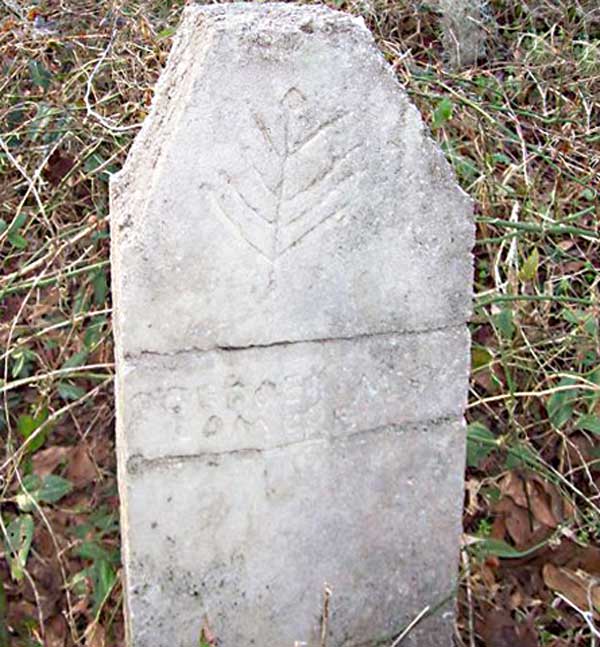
(522, 132)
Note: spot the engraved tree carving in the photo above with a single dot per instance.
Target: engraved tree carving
(297, 171)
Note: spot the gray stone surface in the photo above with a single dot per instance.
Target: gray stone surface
(464, 31)
(219, 401)
(248, 539)
(291, 276)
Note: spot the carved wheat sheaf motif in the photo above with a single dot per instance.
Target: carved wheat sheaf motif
(297, 170)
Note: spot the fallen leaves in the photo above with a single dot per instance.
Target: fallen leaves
(46, 461)
(56, 632)
(529, 563)
(530, 509)
(73, 548)
(58, 167)
(499, 629)
(80, 469)
(579, 587)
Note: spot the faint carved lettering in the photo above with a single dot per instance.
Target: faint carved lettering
(212, 426)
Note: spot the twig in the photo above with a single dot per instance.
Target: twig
(106, 123)
(21, 341)
(413, 623)
(535, 394)
(52, 252)
(470, 613)
(14, 6)
(588, 616)
(506, 298)
(16, 457)
(325, 617)
(53, 278)
(31, 182)
(551, 229)
(15, 384)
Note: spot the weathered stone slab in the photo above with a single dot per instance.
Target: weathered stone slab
(291, 275)
(219, 401)
(249, 538)
(285, 161)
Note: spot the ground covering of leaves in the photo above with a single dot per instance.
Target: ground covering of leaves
(521, 129)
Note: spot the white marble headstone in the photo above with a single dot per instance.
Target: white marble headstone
(292, 277)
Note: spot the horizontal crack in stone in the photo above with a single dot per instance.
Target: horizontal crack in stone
(293, 342)
(138, 462)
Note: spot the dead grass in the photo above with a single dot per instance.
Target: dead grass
(522, 132)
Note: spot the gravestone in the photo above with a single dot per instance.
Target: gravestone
(464, 33)
(291, 274)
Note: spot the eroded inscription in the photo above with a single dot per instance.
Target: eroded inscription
(241, 407)
(271, 397)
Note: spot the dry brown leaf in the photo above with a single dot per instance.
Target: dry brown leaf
(472, 486)
(58, 166)
(81, 469)
(573, 266)
(49, 585)
(95, 635)
(562, 508)
(484, 379)
(513, 485)
(487, 575)
(540, 502)
(56, 632)
(499, 629)
(539, 497)
(586, 559)
(518, 522)
(498, 528)
(46, 461)
(44, 542)
(581, 450)
(573, 585)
